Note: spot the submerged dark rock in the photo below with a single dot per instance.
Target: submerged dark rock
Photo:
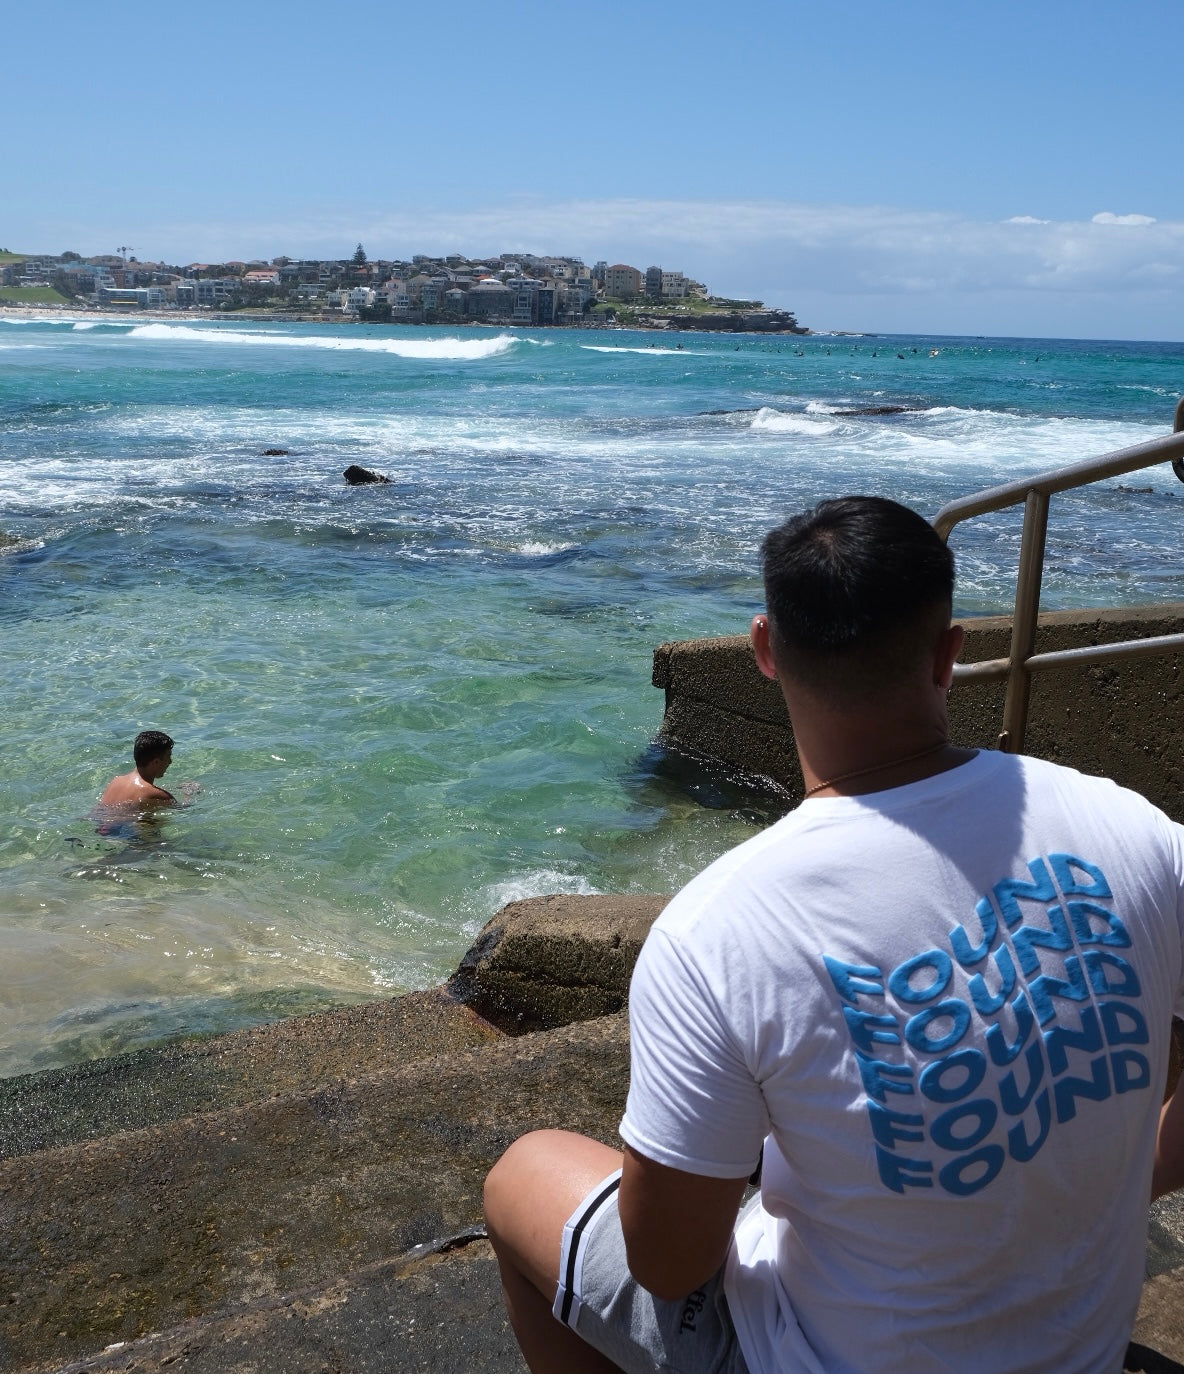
(358, 477)
(275, 453)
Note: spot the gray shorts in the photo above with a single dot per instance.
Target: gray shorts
(604, 1305)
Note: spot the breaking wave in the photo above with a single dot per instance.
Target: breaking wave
(444, 350)
(654, 352)
(778, 421)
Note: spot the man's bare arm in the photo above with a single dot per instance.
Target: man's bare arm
(1168, 1174)
(677, 1226)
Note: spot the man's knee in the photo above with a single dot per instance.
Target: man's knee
(504, 1184)
(533, 1189)
(514, 1181)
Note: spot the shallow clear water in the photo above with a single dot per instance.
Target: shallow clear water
(408, 704)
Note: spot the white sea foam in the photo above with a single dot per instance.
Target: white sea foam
(537, 549)
(539, 883)
(85, 324)
(654, 352)
(45, 321)
(779, 421)
(444, 350)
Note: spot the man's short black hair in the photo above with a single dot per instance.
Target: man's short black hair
(150, 744)
(856, 589)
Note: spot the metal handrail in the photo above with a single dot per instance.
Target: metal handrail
(1035, 493)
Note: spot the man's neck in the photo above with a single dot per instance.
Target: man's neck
(846, 753)
(897, 771)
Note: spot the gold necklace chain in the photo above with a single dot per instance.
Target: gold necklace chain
(875, 768)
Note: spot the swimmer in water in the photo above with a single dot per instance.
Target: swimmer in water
(153, 752)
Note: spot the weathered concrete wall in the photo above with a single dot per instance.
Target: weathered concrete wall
(1122, 720)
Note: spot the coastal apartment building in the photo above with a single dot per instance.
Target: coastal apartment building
(661, 285)
(622, 283)
(206, 290)
(134, 297)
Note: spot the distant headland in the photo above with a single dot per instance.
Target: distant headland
(505, 289)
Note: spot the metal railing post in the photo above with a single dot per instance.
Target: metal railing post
(1024, 621)
(1036, 493)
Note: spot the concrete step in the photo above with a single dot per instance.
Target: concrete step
(111, 1239)
(439, 1308)
(540, 963)
(436, 1308)
(198, 1177)
(285, 1224)
(86, 1101)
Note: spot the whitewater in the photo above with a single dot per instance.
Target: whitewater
(411, 703)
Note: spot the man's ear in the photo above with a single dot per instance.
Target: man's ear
(948, 647)
(761, 646)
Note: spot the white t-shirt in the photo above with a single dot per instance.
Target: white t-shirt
(944, 1010)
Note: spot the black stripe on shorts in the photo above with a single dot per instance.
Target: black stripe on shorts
(590, 1211)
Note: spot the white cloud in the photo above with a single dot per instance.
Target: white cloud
(1024, 219)
(1107, 218)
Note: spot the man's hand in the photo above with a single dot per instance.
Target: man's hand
(677, 1226)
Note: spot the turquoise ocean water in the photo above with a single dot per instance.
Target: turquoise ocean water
(409, 704)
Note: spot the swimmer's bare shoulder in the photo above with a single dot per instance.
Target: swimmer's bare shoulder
(132, 789)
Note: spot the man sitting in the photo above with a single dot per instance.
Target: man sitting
(153, 752)
(938, 994)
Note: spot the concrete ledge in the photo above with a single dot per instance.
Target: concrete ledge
(439, 1311)
(1122, 720)
(1160, 1323)
(107, 1241)
(65, 1106)
(271, 1160)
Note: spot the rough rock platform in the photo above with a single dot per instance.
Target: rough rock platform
(305, 1198)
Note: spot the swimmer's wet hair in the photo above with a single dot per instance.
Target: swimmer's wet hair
(150, 744)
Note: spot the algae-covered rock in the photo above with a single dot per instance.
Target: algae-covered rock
(550, 961)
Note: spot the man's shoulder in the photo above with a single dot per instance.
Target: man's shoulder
(128, 789)
(722, 889)
(1081, 786)
(117, 790)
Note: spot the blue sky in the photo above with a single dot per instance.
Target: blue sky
(955, 167)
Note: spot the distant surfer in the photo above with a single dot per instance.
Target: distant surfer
(153, 753)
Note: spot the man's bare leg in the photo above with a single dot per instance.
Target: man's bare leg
(529, 1195)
